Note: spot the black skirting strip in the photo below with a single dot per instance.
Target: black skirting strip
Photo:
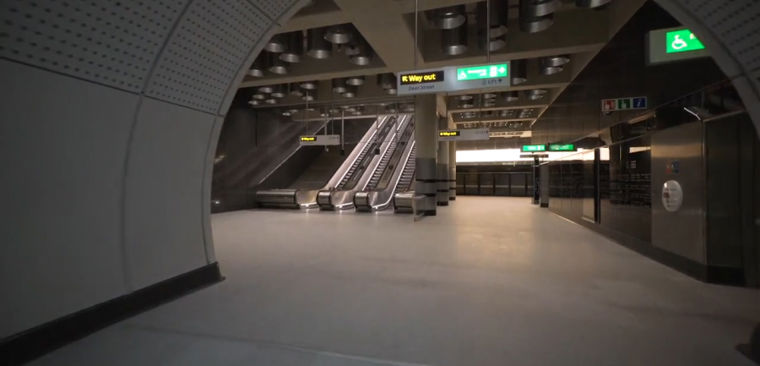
(442, 203)
(427, 212)
(429, 194)
(453, 198)
(35, 342)
(443, 190)
(426, 180)
(544, 205)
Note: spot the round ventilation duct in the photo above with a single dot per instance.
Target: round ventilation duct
(350, 91)
(454, 41)
(339, 85)
(316, 46)
(278, 91)
(308, 96)
(295, 90)
(537, 15)
(355, 80)
(536, 94)
(266, 89)
(449, 17)
(510, 96)
(591, 3)
(254, 102)
(258, 67)
(259, 96)
(309, 85)
(276, 66)
(391, 91)
(499, 13)
(339, 34)
(271, 101)
(555, 61)
(294, 48)
(276, 44)
(363, 54)
(386, 80)
(519, 72)
(286, 113)
(551, 70)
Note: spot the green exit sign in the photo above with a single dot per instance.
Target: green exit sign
(482, 72)
(561, 147)
(532, 148)
(682, 40)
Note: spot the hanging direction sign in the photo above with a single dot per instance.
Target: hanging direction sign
(319, 140)
(453, 78)
(463, 134)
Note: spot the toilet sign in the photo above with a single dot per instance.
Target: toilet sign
(672, 196)
(624, 104)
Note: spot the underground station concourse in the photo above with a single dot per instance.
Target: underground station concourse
(380, 182)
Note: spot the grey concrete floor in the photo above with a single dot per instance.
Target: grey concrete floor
(489, 281)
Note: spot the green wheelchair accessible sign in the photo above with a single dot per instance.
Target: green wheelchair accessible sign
(682, 40)
(674, 44)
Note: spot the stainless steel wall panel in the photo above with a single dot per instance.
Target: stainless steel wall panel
(677, 155)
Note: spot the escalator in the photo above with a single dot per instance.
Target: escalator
(404, 194)
(379, 191)
(341, 197)
(302, 193)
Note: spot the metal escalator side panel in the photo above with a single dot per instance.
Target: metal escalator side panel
(324, 200)
(385, 199)
(361, 147)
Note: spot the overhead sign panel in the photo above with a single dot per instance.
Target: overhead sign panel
(673, 44)
(454, 78)
(463, 134)
(561, 147)
(483, 72)
(421, 78)
(533, 148)
(319, 140)
(624, 104)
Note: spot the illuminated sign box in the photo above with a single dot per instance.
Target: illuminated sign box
(533, 148)
(467, 134)
(561, 147)
(673, 44)
(449, 133)
(421, 78)
(483, 72)
(319, 140)
(453, 78)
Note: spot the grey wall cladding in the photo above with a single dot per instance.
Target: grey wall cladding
(108, 42)
(736, 23)
(206, 53)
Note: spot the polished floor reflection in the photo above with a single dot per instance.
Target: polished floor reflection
(489, 281)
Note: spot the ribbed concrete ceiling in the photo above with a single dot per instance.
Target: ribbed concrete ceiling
(388, 28)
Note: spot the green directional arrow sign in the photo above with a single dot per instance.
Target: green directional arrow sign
(482, 72)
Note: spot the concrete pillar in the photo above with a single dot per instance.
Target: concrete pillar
(442, 168)
(426, 137)
(452, 170)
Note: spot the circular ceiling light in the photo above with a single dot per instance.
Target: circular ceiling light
(316, 46)
(355, 80)
(276, 44)
(339, 34)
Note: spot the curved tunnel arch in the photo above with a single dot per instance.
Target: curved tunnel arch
(110, 123)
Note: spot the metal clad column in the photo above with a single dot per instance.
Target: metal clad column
(426, 135)
(452, 170)
(442, 169)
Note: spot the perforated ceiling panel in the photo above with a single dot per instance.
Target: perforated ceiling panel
(736, 23)
(108, 42)
(206, 52)
(273, 8)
